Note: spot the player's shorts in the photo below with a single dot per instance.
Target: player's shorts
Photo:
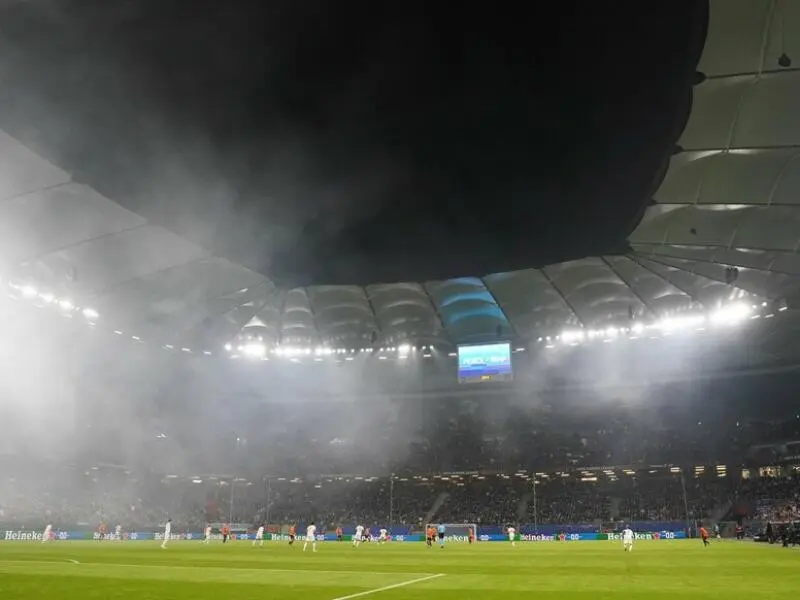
(259, 536)
(510, 538)
(627, 542)
(441, 536)
(311, 538)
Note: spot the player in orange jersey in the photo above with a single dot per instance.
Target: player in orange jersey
(704, 535)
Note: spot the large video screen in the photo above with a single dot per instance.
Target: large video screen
(484, 362)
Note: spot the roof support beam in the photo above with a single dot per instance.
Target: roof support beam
(45, 188)
(638, 260)
(255, 309)
(313, 313)
(118, 284)
(563, 297)
(710, 277)
(281, 309)
(500, 307)
(435, 309)
(79, 243)
(372, 309)
(629, 285)
(692, 202)
(721, 264)
(662, 243)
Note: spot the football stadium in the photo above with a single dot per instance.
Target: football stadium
(180, 425)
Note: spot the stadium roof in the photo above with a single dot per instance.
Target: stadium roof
(724, 224)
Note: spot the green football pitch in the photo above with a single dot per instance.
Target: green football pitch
(580, 570)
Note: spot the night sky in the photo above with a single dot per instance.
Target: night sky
(357, 142)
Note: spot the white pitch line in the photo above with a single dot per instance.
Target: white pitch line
(391, 587)
(73, 561)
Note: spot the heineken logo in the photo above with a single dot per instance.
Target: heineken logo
(22, 536)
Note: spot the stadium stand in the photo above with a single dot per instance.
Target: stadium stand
(673, 427)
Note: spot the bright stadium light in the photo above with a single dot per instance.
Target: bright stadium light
(403, 349)
(569, 337)
(731, 314)
(254, 350)
(670, 324)
(228, 347)
(66, 304)
(90, 313)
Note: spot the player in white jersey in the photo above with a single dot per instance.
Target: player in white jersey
(512, 536)
(358, 536)
(167, 533)
(259, 536)
(207, 538)
(48, 533)
(627, 539)
(311, 537)
(118, 533)
(383, 536)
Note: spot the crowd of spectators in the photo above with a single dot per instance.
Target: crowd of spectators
(769, 499)
(493, 450)
(84, 499)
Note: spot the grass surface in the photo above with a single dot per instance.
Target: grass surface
(581, 570)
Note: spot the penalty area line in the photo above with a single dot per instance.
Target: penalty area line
(391, 587)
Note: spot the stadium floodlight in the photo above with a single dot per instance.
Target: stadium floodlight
(670, 324)
(66, 304)
(731, 314)
(228, 347)
(403, 349)
(90, 313)
(29, 291)
(254, 350)
(568, 337)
